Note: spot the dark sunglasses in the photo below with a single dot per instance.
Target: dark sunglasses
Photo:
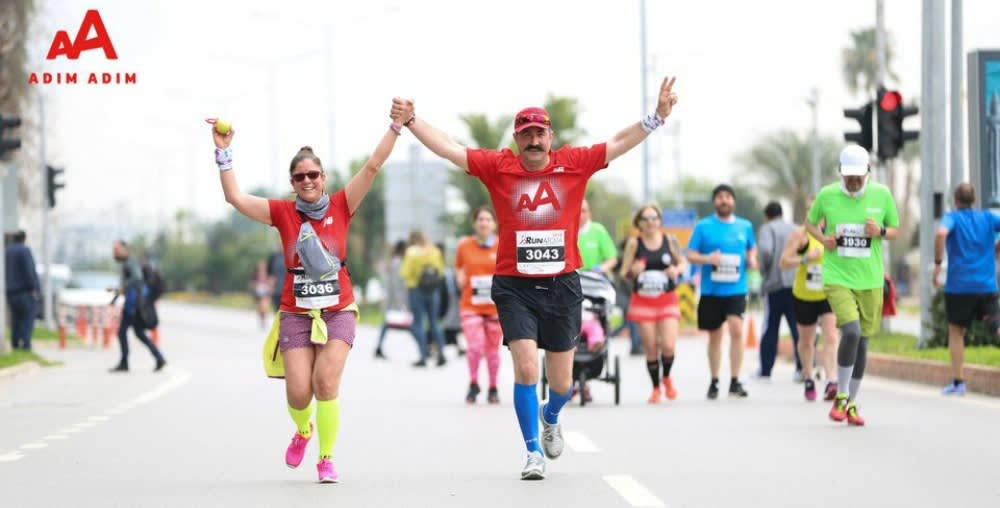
(650, 218)
(313, 175)
(532, 118)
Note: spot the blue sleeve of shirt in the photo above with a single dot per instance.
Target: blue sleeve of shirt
(947, 222)
(996, 220)
(694, 243)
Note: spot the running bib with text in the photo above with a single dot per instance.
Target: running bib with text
(728, 269)
(481, 286)
(814, 277)
(652, 283)
(541, 252)
(310, 294)
(852, 242)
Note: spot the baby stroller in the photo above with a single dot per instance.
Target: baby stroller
(598, 299)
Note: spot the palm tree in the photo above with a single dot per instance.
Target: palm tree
(860, 62)
(781, 162)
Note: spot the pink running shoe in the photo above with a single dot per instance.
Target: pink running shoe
(327, 474)
(297, 449)
(810, 390)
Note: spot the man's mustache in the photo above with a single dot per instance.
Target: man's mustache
(533, 148)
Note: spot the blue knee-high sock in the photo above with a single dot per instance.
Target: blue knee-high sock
(526, 407)
(555, 404)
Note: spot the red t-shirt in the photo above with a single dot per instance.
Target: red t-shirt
(538, 212)
(332, 231)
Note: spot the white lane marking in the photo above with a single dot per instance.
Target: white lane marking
(633, 491)
(580, 443)
(931, 392)
(11, 456)
(177, 380)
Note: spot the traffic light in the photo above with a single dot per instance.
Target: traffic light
(864, 117)
(891, 113)
(7, 145)
(51, 184)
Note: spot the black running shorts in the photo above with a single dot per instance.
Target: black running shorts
(964, 308)
(546, 310)
(713, 310)
(807, 313)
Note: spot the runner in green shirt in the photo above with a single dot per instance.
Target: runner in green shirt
(859, 215)
(597, 249)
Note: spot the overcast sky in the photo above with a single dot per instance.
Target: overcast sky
(743, 70)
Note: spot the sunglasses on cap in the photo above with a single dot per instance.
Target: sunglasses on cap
(532, 118)
(313, 175)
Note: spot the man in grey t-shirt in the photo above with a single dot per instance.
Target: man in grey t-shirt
(776, 286)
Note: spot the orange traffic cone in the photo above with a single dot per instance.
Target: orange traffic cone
(751, 333)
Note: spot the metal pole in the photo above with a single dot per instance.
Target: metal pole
(273, 106)
(645, 105)
(46, 228)
(329, 83)
(4, 347)
(931, 160)
(957, 133)
(813, 101)
(880, 42)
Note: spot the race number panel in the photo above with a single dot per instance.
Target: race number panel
(728, 269)
(481, 286)
(310, 294)
(652, 283)
(814, 277)
(852, 242)
(541, 252)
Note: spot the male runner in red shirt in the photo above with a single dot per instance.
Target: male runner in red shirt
(537, 195)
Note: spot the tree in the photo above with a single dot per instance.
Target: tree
(781, 164)
(748, 205)
(610, 204)
(366, 240)
(860, 62)
(15, 20)
(563, 113)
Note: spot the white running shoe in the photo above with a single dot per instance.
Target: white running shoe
(534, 469)
(552, 439)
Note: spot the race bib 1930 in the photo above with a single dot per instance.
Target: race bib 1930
(541, 252)
(852, 242)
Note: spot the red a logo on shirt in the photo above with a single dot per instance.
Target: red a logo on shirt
(61, 45)
(544, 195)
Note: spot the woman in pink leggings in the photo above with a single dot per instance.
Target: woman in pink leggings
(475, 263)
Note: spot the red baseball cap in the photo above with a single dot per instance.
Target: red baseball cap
(532, 117)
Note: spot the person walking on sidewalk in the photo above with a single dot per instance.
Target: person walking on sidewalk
(653, 261)
(776, 286)
(133, 288)
(475, 264)
(315, 329)
(804, 254)
(537, 195)
(422, 271)
(970, 291)
(859, 215)
(725, 247)
(22, 291)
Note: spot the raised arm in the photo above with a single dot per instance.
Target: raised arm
(636, 133)
(433, 138)
(362, 181)
(254, 207)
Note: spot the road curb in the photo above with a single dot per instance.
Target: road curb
(21, 369)
(979, 379)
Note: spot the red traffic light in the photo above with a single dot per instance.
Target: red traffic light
(890, 100)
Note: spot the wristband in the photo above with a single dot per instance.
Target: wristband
(651, 122)
(937, 262)
(224, 158)
(410, 121)
(396, 129)
(881, 231)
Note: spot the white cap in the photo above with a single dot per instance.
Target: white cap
(854, 161)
